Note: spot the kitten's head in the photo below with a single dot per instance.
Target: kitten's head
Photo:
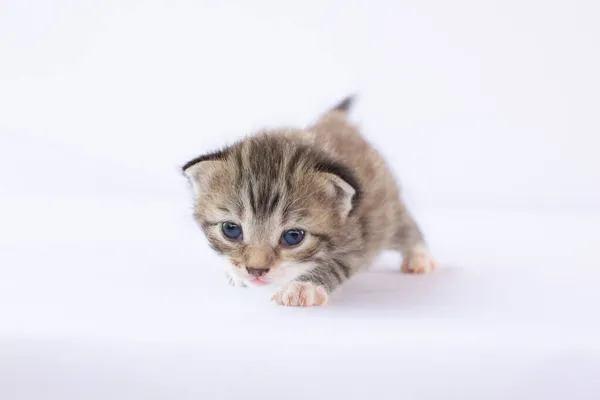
(271, 205)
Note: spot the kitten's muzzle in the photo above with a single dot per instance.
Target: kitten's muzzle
(257, 272)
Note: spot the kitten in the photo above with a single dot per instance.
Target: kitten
(303, 209)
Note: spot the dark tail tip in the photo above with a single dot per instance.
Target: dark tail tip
(345, 105)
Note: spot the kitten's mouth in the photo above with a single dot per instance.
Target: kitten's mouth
(259, 282)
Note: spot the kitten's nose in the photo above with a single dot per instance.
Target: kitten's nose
(257, 272)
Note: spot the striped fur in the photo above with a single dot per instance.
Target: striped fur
(325, 180)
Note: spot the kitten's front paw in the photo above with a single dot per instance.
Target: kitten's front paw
(300, 294)
(419, 262)
(234, 282)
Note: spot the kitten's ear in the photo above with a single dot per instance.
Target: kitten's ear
(345, 191)
(200, 170)
(199, 175)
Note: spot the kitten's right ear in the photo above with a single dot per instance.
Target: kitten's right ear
(200, 170)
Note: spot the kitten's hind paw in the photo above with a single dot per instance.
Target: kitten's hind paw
(419, 262)
(300, 294)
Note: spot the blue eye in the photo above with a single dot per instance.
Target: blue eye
(293, 237)
(231, 231)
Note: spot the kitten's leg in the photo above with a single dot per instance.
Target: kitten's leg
(234, 281)
(313, 288)
(409, 240)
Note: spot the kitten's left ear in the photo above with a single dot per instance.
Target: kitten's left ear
(200, 170)
(342, 184)
(346, 195)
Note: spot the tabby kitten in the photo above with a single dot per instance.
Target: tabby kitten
(303, 209)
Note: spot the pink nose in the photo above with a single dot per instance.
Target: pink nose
(257, 272)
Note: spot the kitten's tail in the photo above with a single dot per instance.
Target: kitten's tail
(338, 113)
(345, 105)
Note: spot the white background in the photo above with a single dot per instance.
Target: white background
(478, 103)
(487, 111)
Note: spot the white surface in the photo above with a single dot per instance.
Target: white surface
(487, 110)
(114, 305)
